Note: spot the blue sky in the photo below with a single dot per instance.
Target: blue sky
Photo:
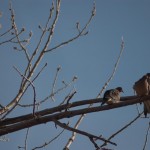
(91, 58)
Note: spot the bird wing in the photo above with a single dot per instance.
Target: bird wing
(141, 88)
(108, 94)
(107, 97)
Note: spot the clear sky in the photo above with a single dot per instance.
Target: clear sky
(91, 58)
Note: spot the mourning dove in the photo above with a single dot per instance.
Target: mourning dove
(112, 96)
(142, 88)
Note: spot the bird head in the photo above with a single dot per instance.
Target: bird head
(120, 89)
(148, 75)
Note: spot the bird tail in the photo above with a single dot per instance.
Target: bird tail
(104, 101)
(146, 107)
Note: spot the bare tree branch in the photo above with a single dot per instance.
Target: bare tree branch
(82, 32)
(65, 126)
(18, 123)
(41, 38)
(72, 138)
(36, 104)
(23, 86)
(34, 99)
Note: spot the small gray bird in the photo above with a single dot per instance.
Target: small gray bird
(112, 96)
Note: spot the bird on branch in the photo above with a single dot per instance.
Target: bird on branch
(112, 96)
(142, 88)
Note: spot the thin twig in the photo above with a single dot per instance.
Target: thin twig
(10, 40)
(57, 91)
(94, 143)
(28, 105)
(25, 143)
(6, 32)
(34, 98)
(26, 139)
(114, 70)
(122, 129)
(39, 72)
(146, 138)
(36, 104)
(47, 143)
(54, 83)
(44, 100)
(16, 32)
(69, 97)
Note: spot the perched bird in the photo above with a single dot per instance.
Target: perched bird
(112, 96)
(142, 88)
